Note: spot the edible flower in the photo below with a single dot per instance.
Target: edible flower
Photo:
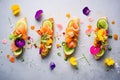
(86, 11)
(73, 61)
(94, 50)
(109, 61)
(52, 65)
(15, 9)
(49, 41)
(101, 35)
(38, 14)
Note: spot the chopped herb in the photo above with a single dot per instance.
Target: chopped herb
(63, 43)
(29, 42)
(58, 54)
(109, 48)
(89, 35)
(22, 59)
(110, 36)
(65, 58)
(76, 68)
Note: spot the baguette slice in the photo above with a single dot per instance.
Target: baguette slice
(101, 38)
(46, 33)
(19, 37)
(71, 37)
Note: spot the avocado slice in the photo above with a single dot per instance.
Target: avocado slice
(18, 52)
(101, 53)
(102, 23)
(48, 23)
(68, 51)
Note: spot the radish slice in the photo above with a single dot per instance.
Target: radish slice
(94, 50)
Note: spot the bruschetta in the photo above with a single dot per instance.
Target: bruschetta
(71, 37)
(46, 33)
(18, 37)
(101, 39)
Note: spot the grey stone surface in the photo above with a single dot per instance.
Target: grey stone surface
(35, 68)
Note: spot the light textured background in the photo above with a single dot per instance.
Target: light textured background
(35, 68)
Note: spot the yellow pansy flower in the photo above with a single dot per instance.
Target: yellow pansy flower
(100, 35)
(109, 61)
(49, 42)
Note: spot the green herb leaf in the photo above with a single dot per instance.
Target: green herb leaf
(22, 59)
(109, 48)
(110, 36)
(58, 54)
(65, 58)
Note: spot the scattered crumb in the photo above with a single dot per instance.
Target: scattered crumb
(1, 51)
(11, 58)
(81, 22)
(63, 33)
(58, 45)
(4, 41)
(115, 37)
(90, 19)
(68, 15)
(28, 37)
(8, 56)
(113, 22)
(32, 27)
(60, 27)
(89, 26)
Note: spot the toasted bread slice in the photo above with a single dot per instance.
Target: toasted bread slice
(46, 33)
(19, 37)
(101, 37)
(71, 37)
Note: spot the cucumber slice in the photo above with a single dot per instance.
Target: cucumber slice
(22, 21)
(47, 22)
(102, 23)
(67, 50)
(101, 53)
(18, 52)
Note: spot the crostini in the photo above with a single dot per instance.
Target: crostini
(46, 33)
(71, 37)
(18, 37)
(101, 39)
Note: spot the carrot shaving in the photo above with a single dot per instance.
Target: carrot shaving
(12, 59)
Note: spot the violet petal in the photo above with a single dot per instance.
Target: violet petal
(52, 65)
(19, 42)
(86, 11)
(38, 14)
